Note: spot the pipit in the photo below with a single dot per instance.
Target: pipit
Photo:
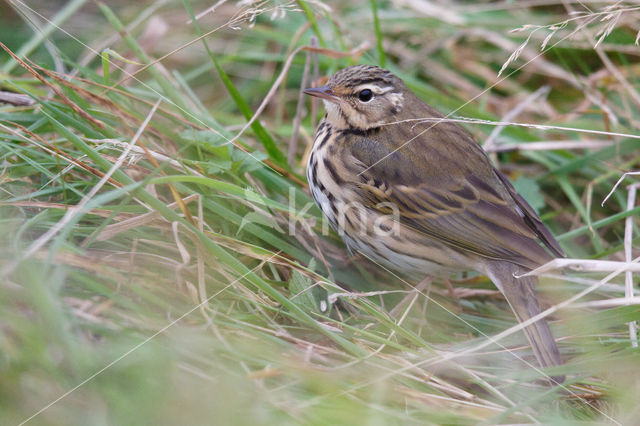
(420, 196)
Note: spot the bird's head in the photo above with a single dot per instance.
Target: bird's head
(361, 97)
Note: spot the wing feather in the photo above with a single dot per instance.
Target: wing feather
(451, 193)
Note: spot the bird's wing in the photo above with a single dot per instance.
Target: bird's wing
(532, 218)
(450, 192)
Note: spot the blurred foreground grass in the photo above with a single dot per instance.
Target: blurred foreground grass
(155, 269)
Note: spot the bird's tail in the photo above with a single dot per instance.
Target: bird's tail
(521, 296)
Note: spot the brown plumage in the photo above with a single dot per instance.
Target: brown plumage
(422, 197)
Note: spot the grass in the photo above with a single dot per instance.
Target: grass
(161, 261)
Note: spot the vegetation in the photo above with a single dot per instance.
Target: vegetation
(161, 261)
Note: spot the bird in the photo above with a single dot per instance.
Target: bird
(417, 194)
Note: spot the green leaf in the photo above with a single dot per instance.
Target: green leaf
(214, 166)
(376, 26)
(258, 219)
(312, 21)
(306, 295)
(105, 65)
(530, 190)
(207, 137)
(249, 162)
(262, 134)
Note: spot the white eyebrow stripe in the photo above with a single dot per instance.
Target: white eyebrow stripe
(375, 89)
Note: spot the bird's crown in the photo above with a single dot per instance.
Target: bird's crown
(358, 75)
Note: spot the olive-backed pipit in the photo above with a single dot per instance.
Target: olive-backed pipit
(422, 197)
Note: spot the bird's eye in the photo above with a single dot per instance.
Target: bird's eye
(365, 95)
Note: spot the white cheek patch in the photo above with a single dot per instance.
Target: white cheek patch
(396, 100)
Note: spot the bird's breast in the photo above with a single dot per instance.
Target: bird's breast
(325, 174)
(332, 177)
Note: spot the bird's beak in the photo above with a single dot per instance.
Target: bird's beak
(322, 92)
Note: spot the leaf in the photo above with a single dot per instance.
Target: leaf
(250, 162)
(107, 52)
(530, 190)
(262, 134)
(211, 139)
(257, 218)
(214, 166)
(105, 65)
(306, 295)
